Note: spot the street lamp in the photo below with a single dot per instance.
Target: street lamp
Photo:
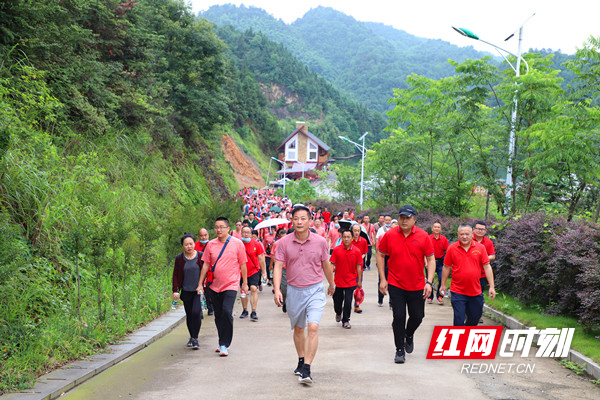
(282, 163)
(513, 123)
(362, 168)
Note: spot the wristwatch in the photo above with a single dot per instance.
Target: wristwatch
(429, 283)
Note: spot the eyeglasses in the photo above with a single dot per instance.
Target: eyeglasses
(218, 228)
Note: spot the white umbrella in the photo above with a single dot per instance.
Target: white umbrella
(271, 222)
(271, 201)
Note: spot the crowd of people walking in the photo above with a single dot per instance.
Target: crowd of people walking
(292, 248)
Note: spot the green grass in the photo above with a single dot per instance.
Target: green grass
(583, 342)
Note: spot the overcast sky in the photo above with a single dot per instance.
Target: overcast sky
(557, 24)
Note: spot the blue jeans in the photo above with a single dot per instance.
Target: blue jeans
(467, 309)
(439, 266)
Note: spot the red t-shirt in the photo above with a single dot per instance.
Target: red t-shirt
(346, 261)
(489, 248)
(361, 244)
(370, 231)
(253, 250)
(440, 245)
(407, 257)
(466, 267)
(199, 246)
(333, 235)
(321, 231)
(327, 216)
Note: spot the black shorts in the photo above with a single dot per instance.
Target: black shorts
(253, 280)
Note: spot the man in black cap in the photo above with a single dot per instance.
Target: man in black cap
(407, 246)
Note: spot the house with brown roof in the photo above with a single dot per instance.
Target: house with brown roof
(302, 152)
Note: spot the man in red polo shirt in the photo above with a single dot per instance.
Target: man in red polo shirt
(255, 266)
(407, 246)
(362, 245)
(440, 245)
(465, 259)
(479, 231)
(347, 261)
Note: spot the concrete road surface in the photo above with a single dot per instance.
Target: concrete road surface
(350, 364)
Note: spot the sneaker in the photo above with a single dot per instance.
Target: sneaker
(269, 283)
(357, 310)
(379, 304)
(284, 308)
(305, 376)
(299, 368)
(338, 317)
(218, 350)
(400, 357)
(190, 342)
(346, 325)
(253, 316)
(195, 344)
(441, 300)
(244, 314)
(368, 268)
(429, 301)
(224, 351)
(210, 312)
(409, 344)
(481, 321)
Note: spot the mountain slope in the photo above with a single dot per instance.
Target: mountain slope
(367, 60)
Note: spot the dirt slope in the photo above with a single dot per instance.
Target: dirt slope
(246, 172)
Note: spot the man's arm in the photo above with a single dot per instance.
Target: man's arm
(328, 270)
(489, 274)
(445, 274)
(383, 286)
(263, 266)
(203, 272)
(244, 277)
(277, 282)
(492, 257)
(430, 274)
(359, 272)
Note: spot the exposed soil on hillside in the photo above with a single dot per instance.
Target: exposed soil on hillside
(246, 172)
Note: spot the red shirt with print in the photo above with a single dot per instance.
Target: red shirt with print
(253, 250)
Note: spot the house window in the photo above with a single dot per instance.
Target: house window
(291, 151)
(312, 151)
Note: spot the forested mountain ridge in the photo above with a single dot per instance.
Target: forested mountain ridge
(367, 60)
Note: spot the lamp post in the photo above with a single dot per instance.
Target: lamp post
(282, 163)
(362, 149)
(513, 122)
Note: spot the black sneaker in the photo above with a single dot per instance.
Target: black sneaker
(305, 377)
(299, 368)
(195, 345)
(210, 312)
(253, 316)
(190, 342)
(400, 358)
(244, 314)
(409, 344)
(338, 317)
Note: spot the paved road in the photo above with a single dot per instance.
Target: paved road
(355, 364)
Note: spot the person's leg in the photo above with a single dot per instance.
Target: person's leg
(299, 341)
(398, 300)
(459, 305)
(368, 260)
(227, 317)
(217, 301)
(312, 343)
(253, 297)
(347, 296)
(209, 304)
(439, 267)
(474, 309)
(186, 297)
(338, 299)
(416, 311)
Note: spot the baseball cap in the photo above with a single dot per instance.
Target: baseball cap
(407, 210)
